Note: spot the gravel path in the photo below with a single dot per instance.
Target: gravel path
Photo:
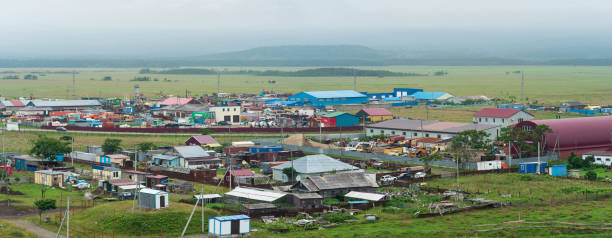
(31, 227)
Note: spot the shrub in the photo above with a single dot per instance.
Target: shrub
(591, 176)
(337, 217)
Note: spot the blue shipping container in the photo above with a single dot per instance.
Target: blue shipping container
(265, 149)
(532, 168)
(558, 170)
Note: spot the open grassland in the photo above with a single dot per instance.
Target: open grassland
(9, 230)
(547, 84)
(21, 141)
(32, 192)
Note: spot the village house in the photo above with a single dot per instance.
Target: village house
(49, 178)
(191, 157)
(312, 165)
(330, 185)
(105, 173)
(305, 200)
(502, 117)
(203, 140)
(374, 115)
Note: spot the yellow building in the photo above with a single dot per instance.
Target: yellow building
(374, 114)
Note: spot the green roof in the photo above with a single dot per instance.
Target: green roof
(334, 114)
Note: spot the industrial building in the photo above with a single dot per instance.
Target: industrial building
(422, 128)
(329, 98)
(339, 119)
(432, 96)
(226, 113)
(501, 116)
(579, 135)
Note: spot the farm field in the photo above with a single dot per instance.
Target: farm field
(545, 84)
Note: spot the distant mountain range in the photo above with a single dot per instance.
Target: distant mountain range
(301, 55)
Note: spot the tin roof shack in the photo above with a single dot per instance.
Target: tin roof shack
(312, 165)
(266, 167)
(330, 185)
(339, 119)
(229, 225)
(558, 170)
(26, 162)
(259, 209)
(236, 174)
(135, 175)
(49, 178)
(105, 173)
(156, 179)
(532, 168)
(254, 195)
(305, 201)
(153, 199)
(119, 159)
(209, 198)
(202, 140)
(115, 186)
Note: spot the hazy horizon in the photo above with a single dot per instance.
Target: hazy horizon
(180, 28)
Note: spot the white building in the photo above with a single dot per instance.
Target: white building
(421, 128)
(601, 157)
(501, 116)
(226, 113)
(312, 165)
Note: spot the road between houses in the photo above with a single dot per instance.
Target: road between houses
(33, 228)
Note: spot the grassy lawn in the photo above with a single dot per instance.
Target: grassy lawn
(21, 141)
(525, 188)
(9, 230)
(32, 192)
(103, 219)
(601, 172)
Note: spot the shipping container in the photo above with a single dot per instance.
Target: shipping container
(532, 168)
(558, 170)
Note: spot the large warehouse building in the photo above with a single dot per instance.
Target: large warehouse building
(579, 135)
(421, 128)
(326, 98)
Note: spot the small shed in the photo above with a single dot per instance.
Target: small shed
(532, 168)
(26, 162)
(558, 170)
(229, 225)
(209, 198)
(259, 209)
(49, 178)
(153, 199)
(305, 200)
(574, 173)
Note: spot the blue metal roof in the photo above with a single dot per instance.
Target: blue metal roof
(428, 95)
(336, 94)
(357, 202)
(231, 218)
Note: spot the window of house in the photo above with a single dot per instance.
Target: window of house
(493, 120)
(404, 133)
(520, 120)
(608, 159)
(526, 128)
(503, 120)
(427, 135)
(480, 119)
(392, 132)
(439, 136)
(486, 119)
(382, 131)
(371, 130)
(415, 134)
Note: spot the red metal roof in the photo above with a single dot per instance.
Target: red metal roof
(576, 133)
(158, 176)
(242, 172)
(176, 100)
(496, 112)
(17, 103)
(377, 112)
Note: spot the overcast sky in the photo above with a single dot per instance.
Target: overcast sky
(192, 27)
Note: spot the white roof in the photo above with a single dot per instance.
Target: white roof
(206, 196)
(130, 187)
(375, 197)
(243, 143)
(151, 191)
(316, 164)
(256, 194)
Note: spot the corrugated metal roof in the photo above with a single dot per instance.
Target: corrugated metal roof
(429, 126)
(428, 95)
(338, 181)
(191, 151)
(241, 172)
(377, 112)
(205, 139)
(496, 112)
(65, 103)
(336, 94)
(175, 100)
(207, 196)
(164, 157)
(256, 194)
(580, 132)
(334, 114)
(231, 218)
(316, 164)
(375, 197)
(152, 191)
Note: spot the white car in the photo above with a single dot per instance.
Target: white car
(388, 178)
(420, 175)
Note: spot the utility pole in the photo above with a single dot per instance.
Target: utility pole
(137, 183)
(73, 83)
(218, 83)
(522, 85)
(538, 157)
(72, 152)
(68, 219)
(202, 197)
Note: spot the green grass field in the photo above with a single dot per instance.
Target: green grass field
(9, 230)
(547, 84)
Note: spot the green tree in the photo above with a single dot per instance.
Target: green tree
(428, 159)
(145, 146)
(524, 142)
(111, 146)
(290, 173)
(466, 142)
(44, 205)
(48, 148)
(591, 176)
